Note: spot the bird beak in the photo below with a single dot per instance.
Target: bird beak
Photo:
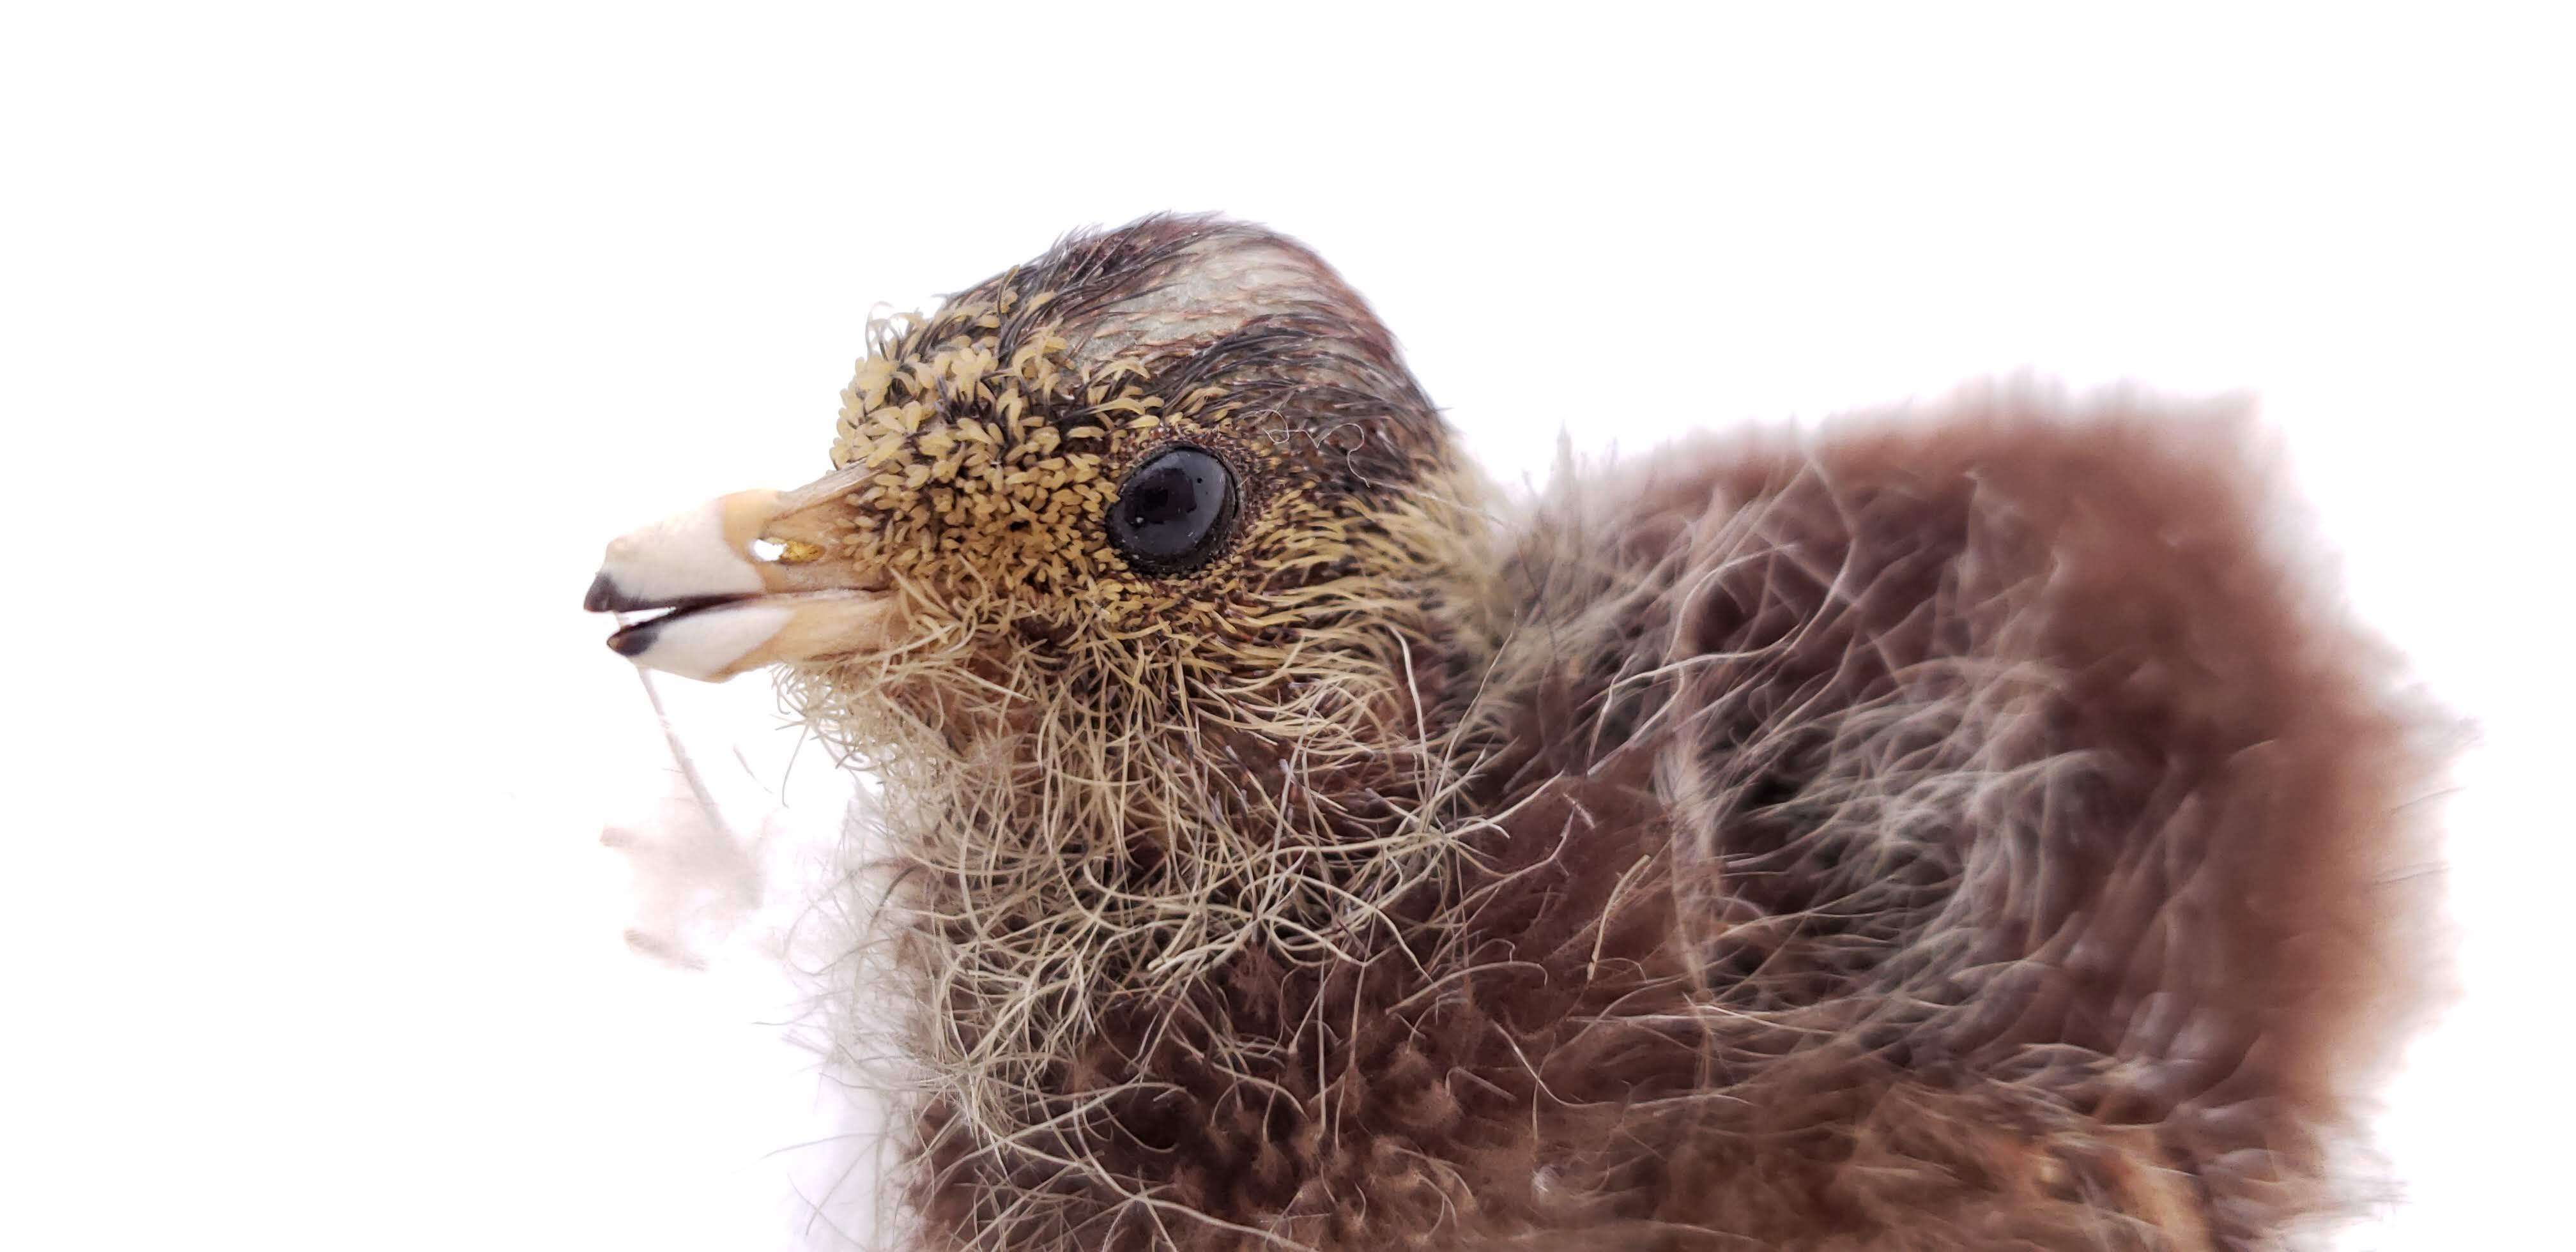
(746, 580)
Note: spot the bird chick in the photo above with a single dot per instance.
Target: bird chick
(1972, 831)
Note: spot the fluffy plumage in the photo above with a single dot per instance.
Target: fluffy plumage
(1966, 828)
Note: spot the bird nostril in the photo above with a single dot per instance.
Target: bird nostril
(785, 551)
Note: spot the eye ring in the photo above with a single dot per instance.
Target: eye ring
(1174, 511)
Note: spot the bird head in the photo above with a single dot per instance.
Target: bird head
(1165, 492)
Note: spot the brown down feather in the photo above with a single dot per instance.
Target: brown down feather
(1974, 825)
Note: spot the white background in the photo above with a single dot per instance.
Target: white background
(334, 340)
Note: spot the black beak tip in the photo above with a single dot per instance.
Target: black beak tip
(602, 596)
(632, 641)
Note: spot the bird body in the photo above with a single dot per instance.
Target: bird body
(1972, 828)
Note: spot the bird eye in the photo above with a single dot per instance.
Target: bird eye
(1173, 512)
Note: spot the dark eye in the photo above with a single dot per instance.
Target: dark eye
(1173, 511)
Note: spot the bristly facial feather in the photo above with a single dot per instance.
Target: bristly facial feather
(1105, 785)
